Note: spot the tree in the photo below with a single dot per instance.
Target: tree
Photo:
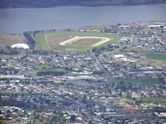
(58, 118)
(73, 118)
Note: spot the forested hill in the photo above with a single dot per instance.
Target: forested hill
(53, 3)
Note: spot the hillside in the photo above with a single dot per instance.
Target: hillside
(53, 3)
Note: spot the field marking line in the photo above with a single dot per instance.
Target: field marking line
(76, 38)
(47, 41)
(104, 40)
(69, 41)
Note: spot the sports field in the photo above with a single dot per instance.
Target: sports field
(156, 56)
(138, 81)
(75, 41)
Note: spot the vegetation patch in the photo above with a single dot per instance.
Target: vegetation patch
(156, 56)
(154, 100)
(41, 44)
(138, 81)
(53, 40)
(49, 70)
(36, 121)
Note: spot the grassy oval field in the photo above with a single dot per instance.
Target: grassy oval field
(53, 40)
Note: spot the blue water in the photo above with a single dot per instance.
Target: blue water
(20, 20)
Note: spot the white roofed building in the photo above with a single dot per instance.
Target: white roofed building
(20, 45)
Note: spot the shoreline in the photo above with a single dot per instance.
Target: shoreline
(80, 5)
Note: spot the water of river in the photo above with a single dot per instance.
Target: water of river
(20, 20)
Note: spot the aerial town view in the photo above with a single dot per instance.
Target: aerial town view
(56, 69)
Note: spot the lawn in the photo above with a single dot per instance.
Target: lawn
(41, 44)
(48, 70)
(52, 40)
(154, 100)
(156, 56)
(138, 81)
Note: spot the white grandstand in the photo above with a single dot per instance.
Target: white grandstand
(20, 45)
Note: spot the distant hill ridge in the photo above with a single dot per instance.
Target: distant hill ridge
(53, 3)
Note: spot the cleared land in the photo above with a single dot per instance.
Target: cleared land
(8, 40)
(79, 41)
